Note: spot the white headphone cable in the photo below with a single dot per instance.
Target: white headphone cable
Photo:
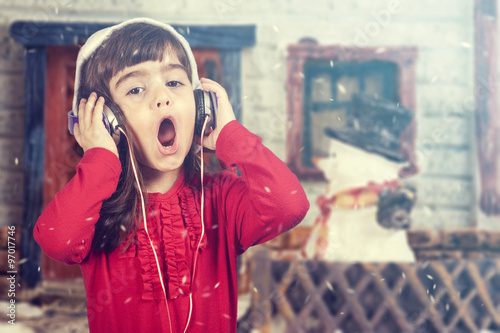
(146, 226)
(202, 226)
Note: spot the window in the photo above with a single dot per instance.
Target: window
(329, 89)
(323, 82)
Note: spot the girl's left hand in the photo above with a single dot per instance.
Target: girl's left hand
(225, 113)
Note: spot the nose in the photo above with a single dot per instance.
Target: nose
(162, 97)
(158, 104)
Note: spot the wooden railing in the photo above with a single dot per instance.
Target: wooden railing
(316, 296)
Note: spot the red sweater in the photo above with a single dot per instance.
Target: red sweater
(123, 290)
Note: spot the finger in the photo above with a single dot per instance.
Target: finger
(210, 85)
(89, 110)
(225, 112)
(98, 109)
(220, 93)
(77, 134)
(81, 112)
(206, 79)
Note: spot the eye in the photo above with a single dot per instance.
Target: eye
(174, 84)
(135, 91)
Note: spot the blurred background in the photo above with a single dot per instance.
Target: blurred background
(386, 110)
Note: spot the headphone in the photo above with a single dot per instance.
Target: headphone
(205, 104)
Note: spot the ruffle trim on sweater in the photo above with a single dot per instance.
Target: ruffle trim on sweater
(173, 218)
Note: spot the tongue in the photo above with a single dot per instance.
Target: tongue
(166, 133)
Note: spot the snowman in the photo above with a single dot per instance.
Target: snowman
(365, 210)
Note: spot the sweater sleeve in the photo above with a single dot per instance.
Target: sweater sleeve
(65, 229)
(268, 199)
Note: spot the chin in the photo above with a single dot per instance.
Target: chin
(171, 163)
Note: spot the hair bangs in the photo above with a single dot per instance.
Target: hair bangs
(144, 43)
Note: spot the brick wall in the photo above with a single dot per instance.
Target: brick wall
(442, 31)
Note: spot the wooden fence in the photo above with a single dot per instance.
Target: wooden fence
(456, 295)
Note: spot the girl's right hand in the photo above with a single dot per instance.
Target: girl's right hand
(90, 131)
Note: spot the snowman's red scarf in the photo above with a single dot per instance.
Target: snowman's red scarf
(325, 205)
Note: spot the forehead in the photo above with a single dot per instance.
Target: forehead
(170, 62)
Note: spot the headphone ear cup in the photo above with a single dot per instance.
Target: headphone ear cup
(111, 122)
(206, 107)
(199, 100)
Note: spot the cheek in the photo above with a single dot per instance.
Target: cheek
(140, 131)
(189, 117)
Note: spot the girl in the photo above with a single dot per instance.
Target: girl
(158, 254)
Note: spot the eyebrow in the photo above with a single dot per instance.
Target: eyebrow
(129, 75)
(141, 72)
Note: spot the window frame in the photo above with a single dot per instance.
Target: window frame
(298, 54)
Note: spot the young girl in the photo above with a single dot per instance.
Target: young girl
(158, 254)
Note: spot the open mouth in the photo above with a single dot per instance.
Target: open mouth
(166, 133)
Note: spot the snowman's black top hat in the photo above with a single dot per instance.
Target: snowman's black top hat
(374, 125)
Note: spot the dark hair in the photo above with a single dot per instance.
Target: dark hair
(125, 47)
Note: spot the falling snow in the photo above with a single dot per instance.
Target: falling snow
(341, 88)
(279, 66)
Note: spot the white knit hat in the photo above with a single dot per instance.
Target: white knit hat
(94, 41)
